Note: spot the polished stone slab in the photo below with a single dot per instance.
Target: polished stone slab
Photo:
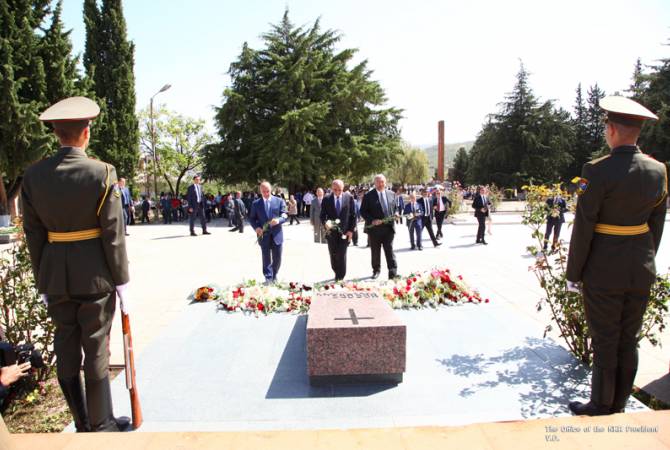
(354, 337)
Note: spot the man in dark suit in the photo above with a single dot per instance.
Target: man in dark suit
(267, 215)
(378, 210)
(79, 259)
(340, 206)
(442, 204)
(481, 205)
(146, 206)
(615, 238)
(556, 208)
(428, 214)
(239, 211)
(414, 223)
(196, 206)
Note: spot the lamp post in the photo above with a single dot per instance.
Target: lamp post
(153, 133)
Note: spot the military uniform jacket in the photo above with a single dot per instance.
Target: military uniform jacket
(71, 192)
(625, 188)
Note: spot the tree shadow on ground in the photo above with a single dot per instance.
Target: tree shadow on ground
(544, 374)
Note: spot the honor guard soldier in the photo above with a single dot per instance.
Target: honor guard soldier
(75, 233)
(616, 234)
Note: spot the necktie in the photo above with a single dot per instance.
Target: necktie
(382, 199)
(197, 193)
(267, 208)
(425, 207)
(337, 205)
(441, 203)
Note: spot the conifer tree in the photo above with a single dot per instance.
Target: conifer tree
(23, 139)
(595, 125)
(109, 61)
(655, 137)
(296, 114)
(525, 141)
(581, 150)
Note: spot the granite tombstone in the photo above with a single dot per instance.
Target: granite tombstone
(354, 337)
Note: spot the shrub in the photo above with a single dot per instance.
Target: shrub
(567, 308)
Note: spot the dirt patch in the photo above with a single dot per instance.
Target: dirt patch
(41, 410)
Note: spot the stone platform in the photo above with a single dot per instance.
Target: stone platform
(215, 371)
(354, 337)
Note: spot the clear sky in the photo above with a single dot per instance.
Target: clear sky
(438, 60)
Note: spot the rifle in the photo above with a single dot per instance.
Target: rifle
(131, 383)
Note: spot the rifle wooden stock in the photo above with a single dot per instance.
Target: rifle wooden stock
(131, 383)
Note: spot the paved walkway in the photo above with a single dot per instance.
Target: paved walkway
(167, 264)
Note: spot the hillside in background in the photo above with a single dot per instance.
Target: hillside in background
(450, 153)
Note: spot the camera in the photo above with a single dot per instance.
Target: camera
(19, 354)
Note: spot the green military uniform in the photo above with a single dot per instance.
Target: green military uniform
(616, 234)
(74, 228)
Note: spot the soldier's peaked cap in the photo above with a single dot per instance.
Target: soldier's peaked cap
(71, 109)
(629, 109)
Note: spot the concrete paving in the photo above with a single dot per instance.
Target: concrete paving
(176, 342)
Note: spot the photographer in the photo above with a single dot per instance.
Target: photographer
(10, 373)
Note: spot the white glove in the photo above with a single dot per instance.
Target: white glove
(124, 298)
(574, 286)
(44, 299)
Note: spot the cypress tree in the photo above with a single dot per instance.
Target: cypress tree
(595, 126)
(62, 78)
(23, 138)
(109, 61)
(581, 150)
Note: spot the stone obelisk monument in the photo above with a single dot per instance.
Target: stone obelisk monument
(440, 150)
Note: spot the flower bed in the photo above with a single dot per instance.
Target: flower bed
(422, 290)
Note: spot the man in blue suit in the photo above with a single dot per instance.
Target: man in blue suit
(196, 206)
(271, 211)
(414, 224)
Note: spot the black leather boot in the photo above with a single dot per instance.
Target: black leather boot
(74, 396)
(99, 399)
(602, 394)
(625, 378)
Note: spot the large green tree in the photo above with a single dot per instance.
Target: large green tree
(411, 167)
(460, 168)
(296, 113)
(655, 137)
(581, 147)
(179, 146)
(595, 125)
(525, 141)
(36, 68)
(109, 58)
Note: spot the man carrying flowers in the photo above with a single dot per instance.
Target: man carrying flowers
(378, 210)
(267, 215)
(338, 214)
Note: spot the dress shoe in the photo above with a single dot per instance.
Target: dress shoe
(603, 386)
(193, 234)
(206, 232)
(393, 275)
(437, 244)
(421, 249)
(484, 242)
(375, 275)
(412, 247)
